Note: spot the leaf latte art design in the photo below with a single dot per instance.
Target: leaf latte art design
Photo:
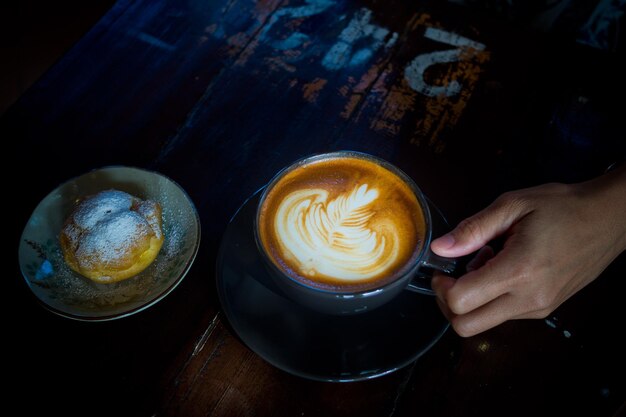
(336, 238)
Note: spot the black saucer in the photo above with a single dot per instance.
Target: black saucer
(314, 345)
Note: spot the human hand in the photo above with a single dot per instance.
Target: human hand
(557, 239)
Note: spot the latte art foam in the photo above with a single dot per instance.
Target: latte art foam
(341, 222)
(335, 237)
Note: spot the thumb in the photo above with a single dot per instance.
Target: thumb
(476, 231)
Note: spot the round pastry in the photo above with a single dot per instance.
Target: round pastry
(112, 236)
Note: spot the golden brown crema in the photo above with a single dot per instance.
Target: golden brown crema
(341, 222)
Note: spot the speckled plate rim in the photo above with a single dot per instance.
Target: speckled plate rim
(134, 310)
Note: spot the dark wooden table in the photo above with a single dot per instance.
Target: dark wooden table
(219, 95)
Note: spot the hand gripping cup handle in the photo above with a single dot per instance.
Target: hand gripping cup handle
(428, 265)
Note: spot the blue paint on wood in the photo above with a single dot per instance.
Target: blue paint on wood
(151, 40)
(342, 53)
(602, 28)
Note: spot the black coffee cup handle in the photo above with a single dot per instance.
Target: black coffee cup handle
(431, 263)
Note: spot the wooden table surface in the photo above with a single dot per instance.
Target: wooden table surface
(219, 95)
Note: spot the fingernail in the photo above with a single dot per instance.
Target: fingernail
(445, 241)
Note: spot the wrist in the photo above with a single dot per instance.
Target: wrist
(606, 198)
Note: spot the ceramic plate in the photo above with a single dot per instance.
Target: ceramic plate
(67, 293)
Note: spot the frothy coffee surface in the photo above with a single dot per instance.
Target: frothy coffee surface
(341, 222)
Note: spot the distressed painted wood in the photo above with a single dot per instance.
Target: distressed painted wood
(221, 94)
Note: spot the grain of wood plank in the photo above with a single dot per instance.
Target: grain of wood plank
(226, 378)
